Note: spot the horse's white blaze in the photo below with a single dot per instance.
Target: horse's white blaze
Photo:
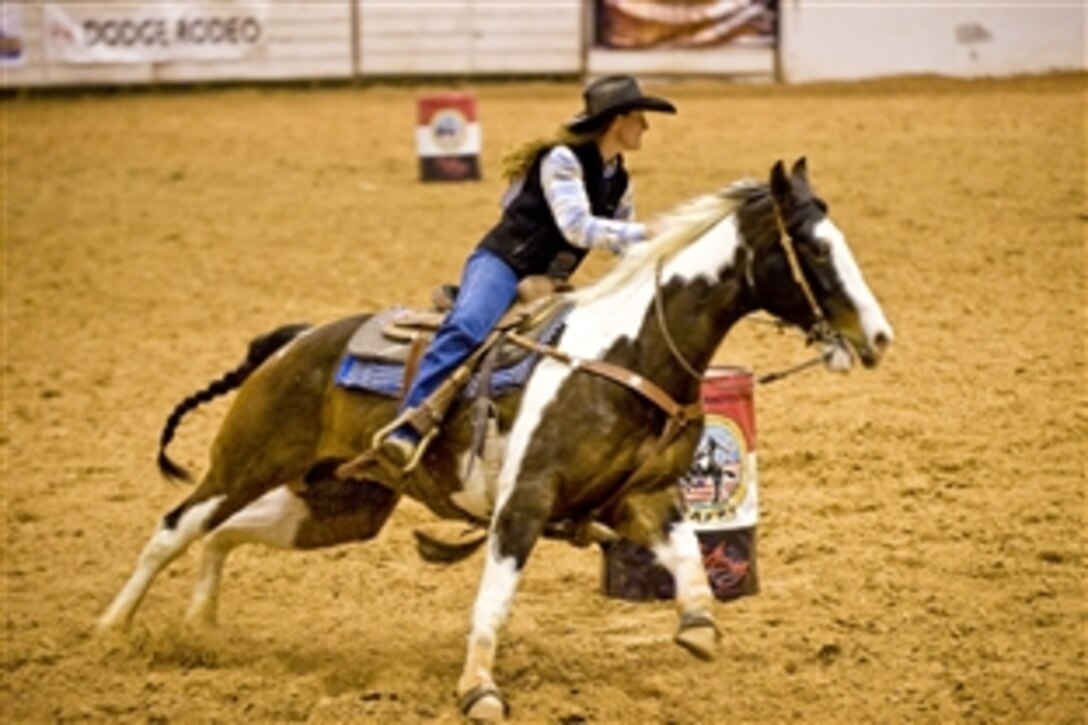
(681, 556)
(870, 315)
(165, 546)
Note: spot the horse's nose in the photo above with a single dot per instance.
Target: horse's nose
(881, 341)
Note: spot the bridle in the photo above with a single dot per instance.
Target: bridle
(819, 331)
(659, 309)
(784, 238)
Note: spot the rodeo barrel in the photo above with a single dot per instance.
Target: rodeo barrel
(721, 497)
(448, 137)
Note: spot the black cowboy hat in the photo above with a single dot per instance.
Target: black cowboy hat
(610, 96)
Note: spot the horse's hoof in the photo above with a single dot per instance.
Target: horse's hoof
(199, 622)
(106, 626)
(699, 635)
(484, 703)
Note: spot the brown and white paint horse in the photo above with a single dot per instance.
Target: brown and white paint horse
(573, 445)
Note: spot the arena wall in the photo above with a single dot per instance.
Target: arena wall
(292, 41)
(421, 37)
(344, 39)
(834, 40)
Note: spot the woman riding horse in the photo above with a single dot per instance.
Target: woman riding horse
(601, 432)
(567, 195)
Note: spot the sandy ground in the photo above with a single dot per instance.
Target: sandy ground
(922, 533)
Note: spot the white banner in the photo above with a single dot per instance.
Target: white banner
(152, 32)
(12, 46)
(685, 23)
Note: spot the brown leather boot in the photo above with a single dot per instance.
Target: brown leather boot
(399, 451)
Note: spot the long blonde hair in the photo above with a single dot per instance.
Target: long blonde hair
(516, 163)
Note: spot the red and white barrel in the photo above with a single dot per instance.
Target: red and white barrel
(448, 137)
(721, 494)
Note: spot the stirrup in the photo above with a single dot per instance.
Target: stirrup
(378, 441)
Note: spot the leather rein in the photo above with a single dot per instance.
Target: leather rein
(679, 415)
(820, 330)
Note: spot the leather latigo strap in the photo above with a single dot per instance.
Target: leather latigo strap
(679, 417)
(679, 413)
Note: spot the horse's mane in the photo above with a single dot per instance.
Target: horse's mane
(677, 229)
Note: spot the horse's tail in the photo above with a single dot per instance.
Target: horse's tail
(260, 349)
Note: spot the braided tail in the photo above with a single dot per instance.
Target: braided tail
(260, 349)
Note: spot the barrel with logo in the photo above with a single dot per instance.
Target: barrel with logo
(721, 497)
(448, 137)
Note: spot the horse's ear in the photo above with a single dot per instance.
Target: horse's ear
(780, 183)
(800, 168)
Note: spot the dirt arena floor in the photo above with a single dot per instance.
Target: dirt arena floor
(921, 546)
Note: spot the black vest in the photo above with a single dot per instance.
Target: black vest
(527, 237)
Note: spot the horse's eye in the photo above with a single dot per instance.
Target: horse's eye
(820, 250)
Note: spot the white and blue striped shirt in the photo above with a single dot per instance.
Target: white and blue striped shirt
(561, 179)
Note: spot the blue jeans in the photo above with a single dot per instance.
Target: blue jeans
(488, 288)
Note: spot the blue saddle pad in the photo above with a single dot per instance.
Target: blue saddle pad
(386, 378)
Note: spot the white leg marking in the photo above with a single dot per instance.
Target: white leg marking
(165, 546)
(497, 589)
(204, 604)
(683, 559)
(272, 520)
(681, 556)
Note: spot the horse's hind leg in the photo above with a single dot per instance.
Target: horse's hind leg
(332, 513)
(178, 529)
(273, 520)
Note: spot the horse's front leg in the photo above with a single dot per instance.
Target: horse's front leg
(680, 554)
(676, 547)
(515, 529)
